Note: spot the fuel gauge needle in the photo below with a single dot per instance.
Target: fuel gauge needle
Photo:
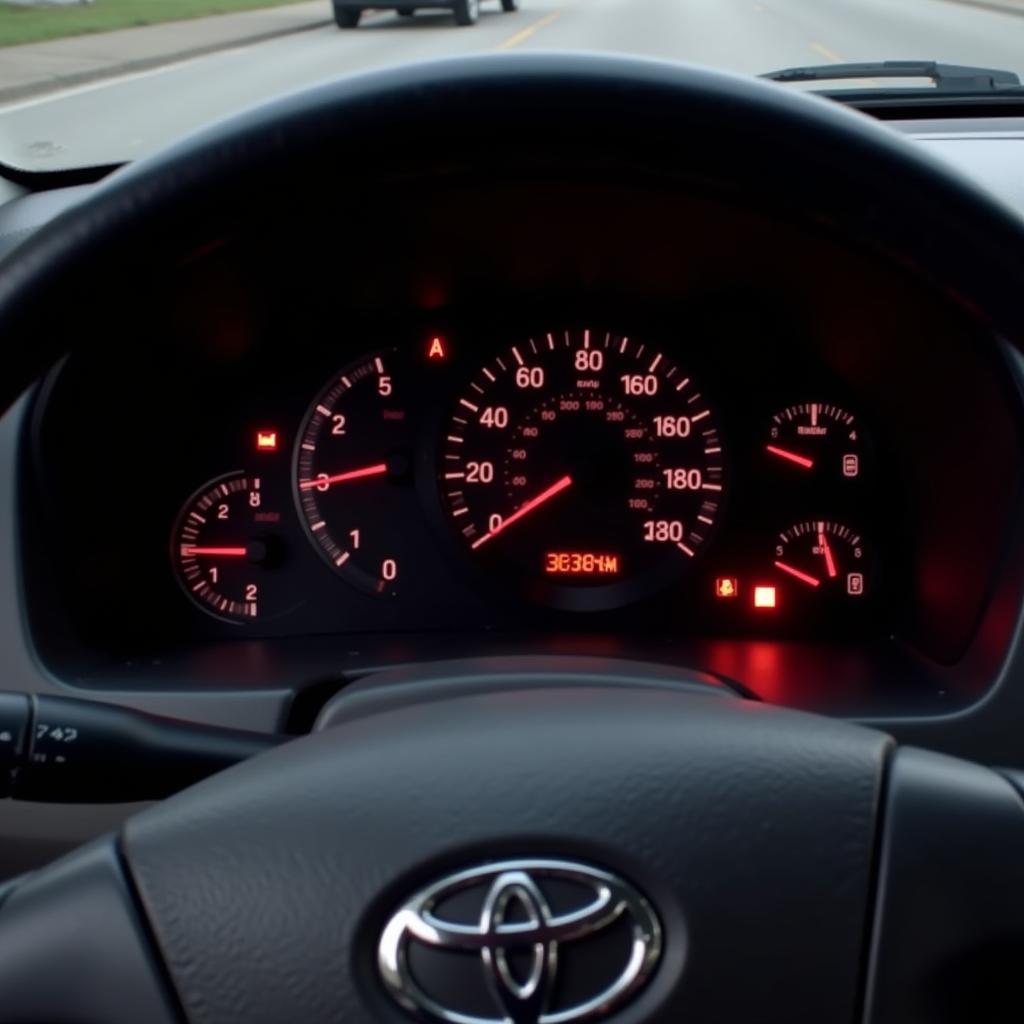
(803, 577)
(525, 509)
(782, 453)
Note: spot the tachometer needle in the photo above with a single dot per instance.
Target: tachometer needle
(220, 552)
(799, 460)
(803, 577)
(341, 478)
(525, 509)
(830, 562)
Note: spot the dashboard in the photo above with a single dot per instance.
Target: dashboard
(863, 556)
(586, 421)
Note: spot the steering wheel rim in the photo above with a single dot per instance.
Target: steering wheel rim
(768, 777)
(705, 127)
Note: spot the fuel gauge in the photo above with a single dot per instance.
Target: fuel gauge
(825, 557)
(816, 439)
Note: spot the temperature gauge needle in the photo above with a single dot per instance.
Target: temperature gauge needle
(525, 509)
(830, 562)
(220, 552)
(324, 482)
(803, 577)
(782, 453)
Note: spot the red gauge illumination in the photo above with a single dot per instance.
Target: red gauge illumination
(823, 556)
(815, 440)
(222, 553)
(352, 470)
(583, 467)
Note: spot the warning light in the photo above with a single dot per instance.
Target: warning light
(266, 440)
(727, 586)
(855, 583)
(764, 597)
(436, 350)
(851, 465)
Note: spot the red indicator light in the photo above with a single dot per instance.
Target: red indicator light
(764, 597)
(436, 349)
(580, 563)
(726, 587)
(266, 440)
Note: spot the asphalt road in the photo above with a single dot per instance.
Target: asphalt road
(124, 118)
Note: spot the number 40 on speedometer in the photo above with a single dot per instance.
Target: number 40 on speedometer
(584, 467)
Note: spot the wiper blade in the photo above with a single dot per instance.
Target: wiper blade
(957, 78)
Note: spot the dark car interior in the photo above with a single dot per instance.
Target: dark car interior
(527, 539)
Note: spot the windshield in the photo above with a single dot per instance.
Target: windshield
(90, 82)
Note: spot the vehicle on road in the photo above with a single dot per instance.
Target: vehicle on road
(347, 13)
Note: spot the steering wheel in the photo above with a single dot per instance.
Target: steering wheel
(550, 848)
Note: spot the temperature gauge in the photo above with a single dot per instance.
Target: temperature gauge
(816, 439)
(824, 556)
(223, 546)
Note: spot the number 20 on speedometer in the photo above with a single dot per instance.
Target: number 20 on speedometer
(583, 467)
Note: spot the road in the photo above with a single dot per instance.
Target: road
(124, 118)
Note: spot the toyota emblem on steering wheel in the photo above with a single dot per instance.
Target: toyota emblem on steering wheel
(496, 944)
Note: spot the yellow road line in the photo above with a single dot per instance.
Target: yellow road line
(522, 36)
(826, 53)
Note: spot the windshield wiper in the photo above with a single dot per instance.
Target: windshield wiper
(948, 78)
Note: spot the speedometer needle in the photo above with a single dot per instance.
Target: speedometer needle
(525, 509)
(323, 482)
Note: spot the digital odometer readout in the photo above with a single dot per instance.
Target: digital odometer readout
(580, 563)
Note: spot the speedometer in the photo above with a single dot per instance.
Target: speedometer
(583, 467)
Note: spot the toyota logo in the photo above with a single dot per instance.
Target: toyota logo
(524, 941)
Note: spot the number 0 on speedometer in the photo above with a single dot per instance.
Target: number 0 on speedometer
(583, 467)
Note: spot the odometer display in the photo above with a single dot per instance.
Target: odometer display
(585, 467)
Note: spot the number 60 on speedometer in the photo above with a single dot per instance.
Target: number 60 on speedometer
(583, 468)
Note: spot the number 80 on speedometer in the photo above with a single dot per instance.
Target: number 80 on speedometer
(583, 468)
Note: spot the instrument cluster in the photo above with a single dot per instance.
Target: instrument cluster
(571, 472)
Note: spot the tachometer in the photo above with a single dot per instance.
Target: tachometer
(352, 461)
(585, 467)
